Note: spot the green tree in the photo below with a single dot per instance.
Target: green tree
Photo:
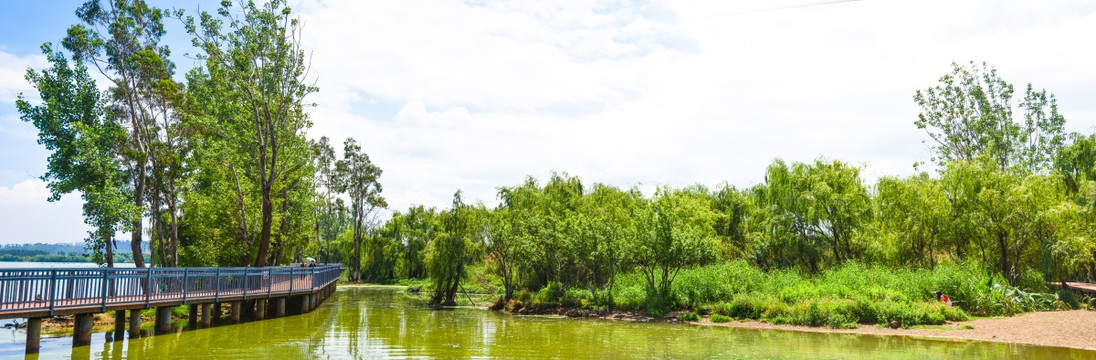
(121, 39)
(813, 211)
(916, 212)
(357, 178)
(256, 70)
(1076, 162)
(72, 123)
(450, 251)
(970, 113)
(675, 232)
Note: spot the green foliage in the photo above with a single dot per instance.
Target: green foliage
(675, 232)
(690, 317)
(810, 214)
(717, 318)
(969, 114)
(73, 123)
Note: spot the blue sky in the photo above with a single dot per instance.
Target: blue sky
(473, 95)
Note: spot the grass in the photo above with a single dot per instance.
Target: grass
(842, 297)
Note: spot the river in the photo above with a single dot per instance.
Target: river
(383, 322)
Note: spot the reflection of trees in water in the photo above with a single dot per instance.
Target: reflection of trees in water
(367, 323)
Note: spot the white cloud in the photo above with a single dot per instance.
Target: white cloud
(26, 216)
(448, 96)
(12, 70)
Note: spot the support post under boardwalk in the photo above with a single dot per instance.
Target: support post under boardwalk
(163, 319)
(235, 312)
(279, 307)
(260, 309)
(207, 314)
(119, 325)
(34, 334)
(134, 323)
(192, 316)
(216, 312)
(304, 303)
(81, 331)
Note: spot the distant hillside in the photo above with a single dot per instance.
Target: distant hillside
(40, 252)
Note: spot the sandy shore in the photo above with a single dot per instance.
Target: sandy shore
(1074, 329)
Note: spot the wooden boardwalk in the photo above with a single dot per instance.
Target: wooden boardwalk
(1086, 287)
(27, 293)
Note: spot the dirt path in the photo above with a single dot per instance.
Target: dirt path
(1075, 329)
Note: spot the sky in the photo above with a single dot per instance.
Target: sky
(477, 94)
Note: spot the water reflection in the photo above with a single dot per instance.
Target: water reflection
(370, 323)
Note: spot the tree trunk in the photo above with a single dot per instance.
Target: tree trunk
(110, 251)
(268, 222)
(173, 209)
(1001, 241)
(139, 200)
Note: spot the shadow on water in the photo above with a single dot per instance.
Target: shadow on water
(369, 323)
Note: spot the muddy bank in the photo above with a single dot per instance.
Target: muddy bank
(1074, 329)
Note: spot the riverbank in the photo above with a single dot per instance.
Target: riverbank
(1073, 329)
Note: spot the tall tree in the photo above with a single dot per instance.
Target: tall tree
(324, 161)
(675, 232)
(121, 38)
(72, 123)
(970, 113)
(254, 59)
(357, 178)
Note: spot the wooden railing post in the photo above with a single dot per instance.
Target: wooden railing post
(247, 283)
(186, 274)
(270, 282)
(104, 293)
(52, 290)
(148, 286)
(291, 279)
(217, 292)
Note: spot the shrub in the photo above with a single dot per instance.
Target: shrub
(690, 317)
(1069, 298)
(720, 318)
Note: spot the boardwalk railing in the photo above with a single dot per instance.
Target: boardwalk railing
(23, 290)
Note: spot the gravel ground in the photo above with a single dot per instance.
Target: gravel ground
(1075, 329)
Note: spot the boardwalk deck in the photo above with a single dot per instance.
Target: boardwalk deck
(1086, 287)
(26, 293)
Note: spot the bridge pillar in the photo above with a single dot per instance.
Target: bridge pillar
(279, 307)
(81, 331)
(304, 303)
(206, 314)
(192, 316)
(260, 309)
(34, 334)
(119, 325)
(135, 323)
(235, 312)
(163, 319)
(216, 312)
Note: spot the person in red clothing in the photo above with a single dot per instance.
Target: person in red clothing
(943, 298)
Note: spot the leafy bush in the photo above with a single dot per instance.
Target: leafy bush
(690, 317)
(720, 318)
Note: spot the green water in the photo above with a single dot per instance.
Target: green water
(371, 323)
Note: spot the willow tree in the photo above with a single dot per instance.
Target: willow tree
(256, 67)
